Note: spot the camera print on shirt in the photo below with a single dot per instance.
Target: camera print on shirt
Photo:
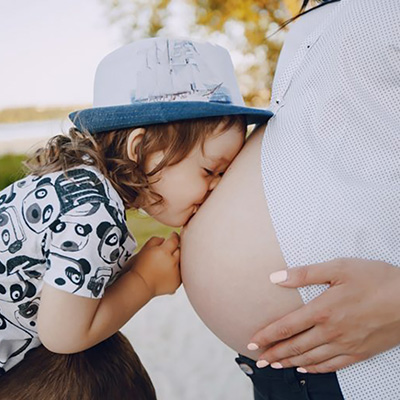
(89, 259)
(11, 232)
(65, 229)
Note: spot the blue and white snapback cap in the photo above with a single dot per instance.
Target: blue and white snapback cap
(159, 80)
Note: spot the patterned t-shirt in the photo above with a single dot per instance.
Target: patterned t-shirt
(65, 229)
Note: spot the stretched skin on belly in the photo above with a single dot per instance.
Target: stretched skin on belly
(228, 251)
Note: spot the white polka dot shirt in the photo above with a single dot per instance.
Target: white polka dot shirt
(331, 154)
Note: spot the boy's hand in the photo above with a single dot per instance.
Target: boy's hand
(158, 264)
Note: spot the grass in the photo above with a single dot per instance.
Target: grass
(143, 227)
(11, 169)
(15, 115)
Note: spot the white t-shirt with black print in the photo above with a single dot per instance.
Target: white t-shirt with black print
(65, 229)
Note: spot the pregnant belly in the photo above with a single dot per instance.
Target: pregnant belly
(228, 251)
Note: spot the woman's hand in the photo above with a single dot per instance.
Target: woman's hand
(354, 319)
(158, 264)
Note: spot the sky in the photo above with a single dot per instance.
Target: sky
(49, 50)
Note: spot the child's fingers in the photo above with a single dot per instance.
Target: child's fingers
(177, 254)
(154, 241)
(172, 243)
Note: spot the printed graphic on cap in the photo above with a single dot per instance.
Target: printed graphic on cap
(173, 72)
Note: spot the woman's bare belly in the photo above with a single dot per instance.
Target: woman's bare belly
(228, 251)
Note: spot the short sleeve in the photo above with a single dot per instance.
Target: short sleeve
(87, 248)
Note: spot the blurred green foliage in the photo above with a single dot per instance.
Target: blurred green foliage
(11, 169)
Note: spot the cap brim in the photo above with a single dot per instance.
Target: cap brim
(101, 119)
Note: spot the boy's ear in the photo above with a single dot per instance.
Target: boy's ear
(134, 139)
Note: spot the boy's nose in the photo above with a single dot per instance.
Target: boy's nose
(209, 189)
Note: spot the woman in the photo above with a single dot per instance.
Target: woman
(327, 187)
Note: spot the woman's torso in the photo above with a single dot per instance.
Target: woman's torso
(228, 251)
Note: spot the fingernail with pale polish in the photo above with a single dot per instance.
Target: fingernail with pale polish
(277, 365)
(301, 370)
(252, 346)
(262, 363)
(278, 277)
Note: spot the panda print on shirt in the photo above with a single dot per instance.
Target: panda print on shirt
(65, 229)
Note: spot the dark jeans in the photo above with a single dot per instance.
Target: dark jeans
(288, 384)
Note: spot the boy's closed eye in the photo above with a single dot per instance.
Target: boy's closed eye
(209, 171)
(213, 173)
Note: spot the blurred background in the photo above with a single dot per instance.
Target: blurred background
(49, 50)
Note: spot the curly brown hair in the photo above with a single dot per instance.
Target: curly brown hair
(108, 152)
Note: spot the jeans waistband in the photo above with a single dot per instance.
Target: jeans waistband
(288, 384)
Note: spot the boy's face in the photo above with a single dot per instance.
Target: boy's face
(185, 185)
